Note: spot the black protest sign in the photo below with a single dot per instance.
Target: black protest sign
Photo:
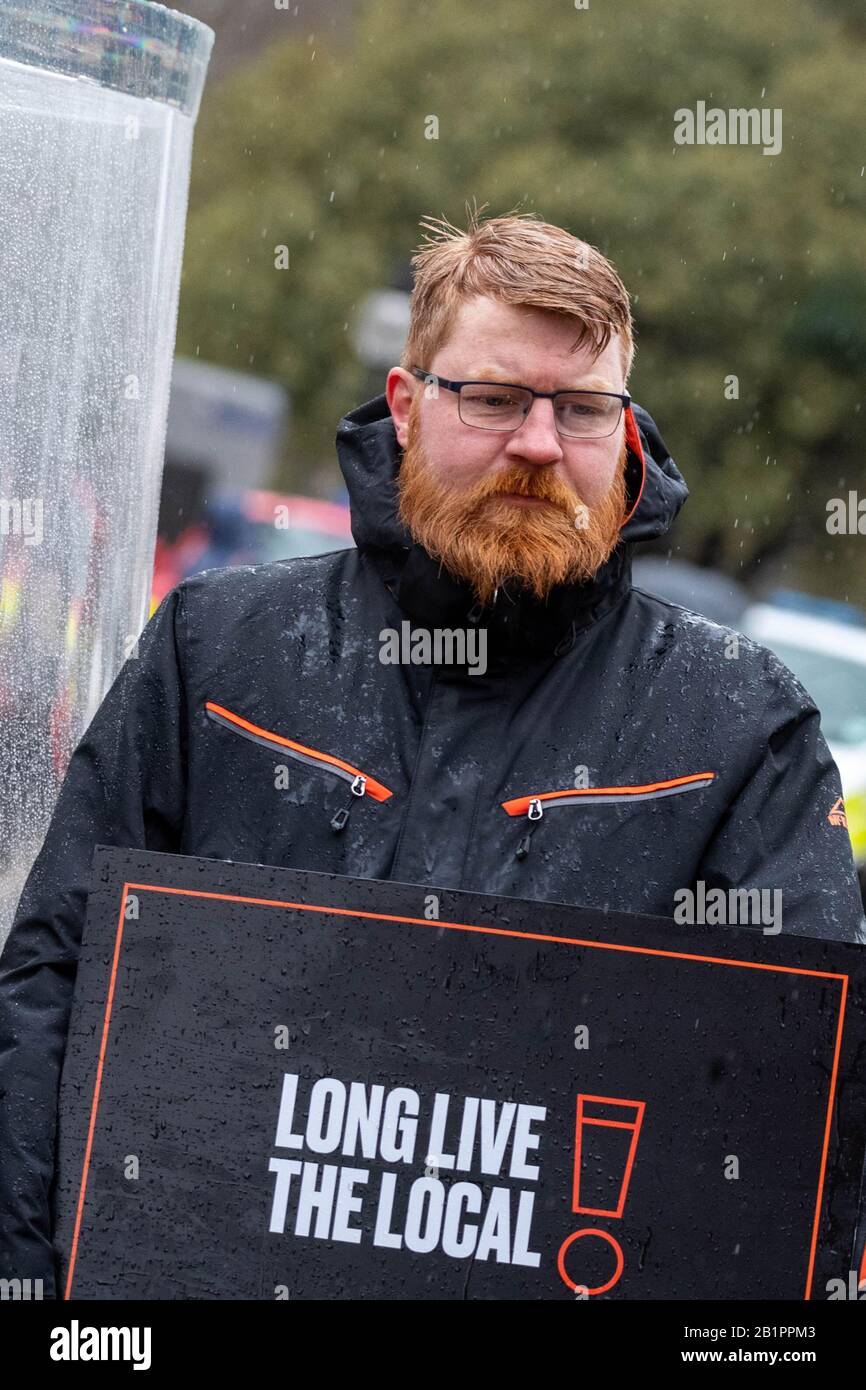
(282, 1084)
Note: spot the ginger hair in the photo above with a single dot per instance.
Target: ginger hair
(519, 260)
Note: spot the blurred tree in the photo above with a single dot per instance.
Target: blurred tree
(740, 264)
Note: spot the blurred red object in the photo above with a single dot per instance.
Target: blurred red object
(250, 527)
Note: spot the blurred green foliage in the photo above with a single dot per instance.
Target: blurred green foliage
(738, 263)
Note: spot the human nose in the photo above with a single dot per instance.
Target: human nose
(537, 440)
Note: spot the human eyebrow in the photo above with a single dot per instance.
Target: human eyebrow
(494, 374)
(593, 383)
(501, 376)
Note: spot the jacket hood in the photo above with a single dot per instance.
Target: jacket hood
(369, 457)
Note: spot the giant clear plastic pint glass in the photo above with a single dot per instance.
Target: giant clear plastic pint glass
(97, 106)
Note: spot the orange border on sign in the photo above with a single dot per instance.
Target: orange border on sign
(453, 926)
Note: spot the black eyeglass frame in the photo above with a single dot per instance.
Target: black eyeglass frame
(622, 396)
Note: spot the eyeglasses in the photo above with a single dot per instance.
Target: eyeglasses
(498, 405)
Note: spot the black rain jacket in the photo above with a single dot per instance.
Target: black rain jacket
(257, 722)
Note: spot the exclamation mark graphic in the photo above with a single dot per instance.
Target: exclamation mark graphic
(605, 1143)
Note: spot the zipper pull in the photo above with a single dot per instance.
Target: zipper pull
(535, 812)
(338, 821)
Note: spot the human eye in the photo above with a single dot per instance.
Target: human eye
(491, 397)
(494, 396)
(585, 407)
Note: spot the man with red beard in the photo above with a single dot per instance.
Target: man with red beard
(617, 751)
(532, 503)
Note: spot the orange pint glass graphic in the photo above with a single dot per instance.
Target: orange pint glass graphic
(604, 1143)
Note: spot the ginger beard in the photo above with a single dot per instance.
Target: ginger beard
(483, 538)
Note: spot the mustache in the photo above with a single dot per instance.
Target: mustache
(524, 482)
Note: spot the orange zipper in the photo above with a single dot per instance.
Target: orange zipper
(534, 804)
(361, 783)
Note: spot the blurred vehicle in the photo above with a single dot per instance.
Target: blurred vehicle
(709, 592)
(165, 574)
(834, 609)
(828, 657)
(250, 527)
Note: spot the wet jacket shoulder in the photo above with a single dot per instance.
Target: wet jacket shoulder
(779, 828)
